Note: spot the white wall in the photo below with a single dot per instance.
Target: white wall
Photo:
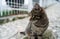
(41, 2)
(47, 3)
(26, 2)
(30, 5)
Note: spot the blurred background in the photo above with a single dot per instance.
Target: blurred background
(14, 17)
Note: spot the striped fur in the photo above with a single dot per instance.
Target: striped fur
(38, 23)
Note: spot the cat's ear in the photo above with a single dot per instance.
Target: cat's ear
(42, 10)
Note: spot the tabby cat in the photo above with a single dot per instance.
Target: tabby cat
(38, 23)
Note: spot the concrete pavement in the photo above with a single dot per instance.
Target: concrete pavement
(53, 14)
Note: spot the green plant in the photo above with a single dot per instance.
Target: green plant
(5, 13)
(12, 12)
(20, 17)
(17, 18)
(25, 38)
(0, 13)
(2, 21)
(7, 20)
(14, 19)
